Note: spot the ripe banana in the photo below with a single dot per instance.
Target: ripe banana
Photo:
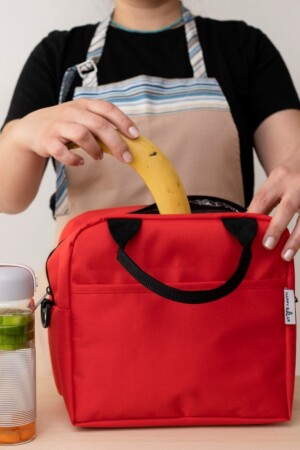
(158, 174)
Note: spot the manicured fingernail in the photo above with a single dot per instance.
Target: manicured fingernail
(134, 132)
(127, 157)
(269, 242)
(289, 255)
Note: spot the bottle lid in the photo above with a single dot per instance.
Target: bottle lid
(17, 282)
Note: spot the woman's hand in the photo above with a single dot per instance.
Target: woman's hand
(282, 189)
(278, 147)
(47, 131)
(26, 144)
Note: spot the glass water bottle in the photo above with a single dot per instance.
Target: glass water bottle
(17, 355)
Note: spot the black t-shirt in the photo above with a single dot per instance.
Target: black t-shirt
(249, 69)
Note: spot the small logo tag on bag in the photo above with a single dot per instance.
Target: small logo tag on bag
(289, 307)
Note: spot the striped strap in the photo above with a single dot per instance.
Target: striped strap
(95, 52)
(97, 44)
(61, 201)
(194, 47)
(61, 193)
(66, 83)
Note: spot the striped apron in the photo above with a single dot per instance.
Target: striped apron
(188, 118)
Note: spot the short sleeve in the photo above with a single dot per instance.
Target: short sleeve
(38, 83)
(271, 85)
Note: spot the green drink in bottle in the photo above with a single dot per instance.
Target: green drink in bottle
(16, 329)
(17, 355)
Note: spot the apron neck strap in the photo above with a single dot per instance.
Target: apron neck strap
(88, 69)
(193, 44)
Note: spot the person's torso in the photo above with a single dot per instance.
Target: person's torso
(174, 103)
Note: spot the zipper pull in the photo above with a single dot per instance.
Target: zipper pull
(46, 303)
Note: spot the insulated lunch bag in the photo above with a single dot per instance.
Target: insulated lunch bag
(171, 320)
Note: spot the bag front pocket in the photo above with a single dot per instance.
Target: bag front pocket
(141, 358)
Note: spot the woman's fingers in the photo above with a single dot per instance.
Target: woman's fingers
(105, 132)
(113, 115)
(61, 153)
(78, 134)
(48, 131)
(102, 119)
(281, 219)
(282, 189)
(264, 200)
(292, 245)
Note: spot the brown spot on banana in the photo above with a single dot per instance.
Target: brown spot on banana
(158, 174)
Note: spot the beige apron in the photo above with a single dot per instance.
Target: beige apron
(189, 119)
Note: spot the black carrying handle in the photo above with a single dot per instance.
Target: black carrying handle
(243, 229)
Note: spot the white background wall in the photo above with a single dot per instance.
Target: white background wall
(27, 237)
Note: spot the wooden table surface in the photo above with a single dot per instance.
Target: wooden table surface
(55, 432)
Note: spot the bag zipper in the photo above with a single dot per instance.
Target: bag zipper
(47, 301)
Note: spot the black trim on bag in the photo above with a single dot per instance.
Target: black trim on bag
(200, 204)
(243, 229)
